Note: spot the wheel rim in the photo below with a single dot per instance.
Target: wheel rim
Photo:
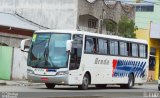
(130, 82)
(85, 81)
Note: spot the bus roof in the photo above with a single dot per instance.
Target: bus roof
(94, 34)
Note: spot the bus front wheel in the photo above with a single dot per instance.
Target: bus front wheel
(85, 82)
(50, 85)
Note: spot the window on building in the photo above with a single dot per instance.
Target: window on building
(152, 58)
(152, 51)
(144, 8)
(92, 23)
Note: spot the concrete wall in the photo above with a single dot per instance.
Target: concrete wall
(19, 66)
(83, 23)
(12, 40)
(64, 14)
(100, 10)
(104, 11)
(143, 34)
(56, 14)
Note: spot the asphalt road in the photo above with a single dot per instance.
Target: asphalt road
(112, 91)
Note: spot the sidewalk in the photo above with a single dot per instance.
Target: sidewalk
(152, 82)
(18, 83)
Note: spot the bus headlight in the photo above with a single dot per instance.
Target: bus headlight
(62, 73)
(30, 71)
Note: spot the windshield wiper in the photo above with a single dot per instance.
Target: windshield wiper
(48, 59)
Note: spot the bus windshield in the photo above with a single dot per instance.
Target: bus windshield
(49, 51)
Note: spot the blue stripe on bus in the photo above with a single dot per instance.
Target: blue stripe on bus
(124, 67)
(51, 70)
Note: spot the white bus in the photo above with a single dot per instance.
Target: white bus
(61, 57)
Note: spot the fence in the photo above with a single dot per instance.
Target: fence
(13, 63)
(5, 62)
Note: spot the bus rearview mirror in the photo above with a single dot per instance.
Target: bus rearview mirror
(69, 45)
(25, 44)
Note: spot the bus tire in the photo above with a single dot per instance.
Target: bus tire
(100, 86)
(159, 87)
(50, 85)
(85, 82)
(130, 83)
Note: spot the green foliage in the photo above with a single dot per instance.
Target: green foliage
(110, 26)
(126, 28)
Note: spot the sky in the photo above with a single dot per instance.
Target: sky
(135, 0)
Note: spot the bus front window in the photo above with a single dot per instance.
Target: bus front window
(58, 56)
(49, 51)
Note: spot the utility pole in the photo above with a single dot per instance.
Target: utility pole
(101, 22)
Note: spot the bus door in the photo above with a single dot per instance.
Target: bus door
(75, 55)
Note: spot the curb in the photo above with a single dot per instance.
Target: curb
(18, 83)
(151, 82)
(22, 83)
(2, 82)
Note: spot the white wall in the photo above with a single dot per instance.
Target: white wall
(19, 67)
(56, 14)
(155, 30)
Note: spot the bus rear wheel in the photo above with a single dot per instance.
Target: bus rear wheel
(85, 82)
(159, 87)
(50, 85)
(130, 83)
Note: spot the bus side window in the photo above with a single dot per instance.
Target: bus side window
(90, 45)
(102, 46)
(135, 48)
(113, 47)
(123, 48)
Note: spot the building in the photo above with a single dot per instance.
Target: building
(26, 16)
(147, 18)
(88, 15)
(14, 28)
(146, 11)
(152, 35)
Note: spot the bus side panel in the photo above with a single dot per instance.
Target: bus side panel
(113, 69)
(99, 68)
(123, 66)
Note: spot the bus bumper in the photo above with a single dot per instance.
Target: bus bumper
(57, 79)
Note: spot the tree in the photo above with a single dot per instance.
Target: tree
(126, 27)
(110, 26)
